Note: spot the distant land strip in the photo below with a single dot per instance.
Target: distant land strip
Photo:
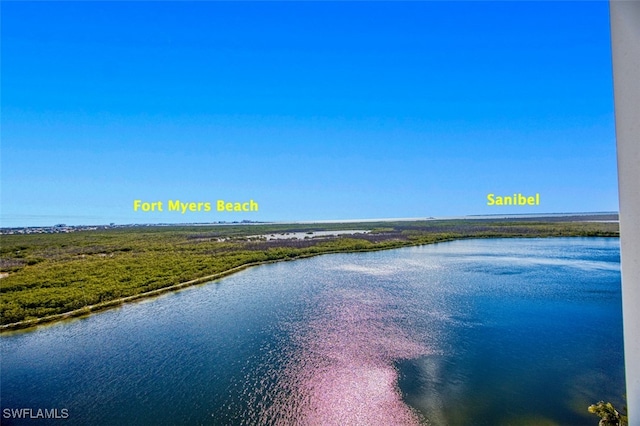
(52, 277)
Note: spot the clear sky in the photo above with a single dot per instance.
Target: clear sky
(317, 111)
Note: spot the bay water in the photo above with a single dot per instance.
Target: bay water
(470, 332)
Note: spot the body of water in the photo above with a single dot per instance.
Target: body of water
(474, 332)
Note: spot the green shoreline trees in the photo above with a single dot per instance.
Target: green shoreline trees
(51, 274)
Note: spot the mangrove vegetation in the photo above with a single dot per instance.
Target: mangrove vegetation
(46, 277)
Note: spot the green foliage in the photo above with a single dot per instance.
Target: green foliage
(382, 230)
(51, 274)
(609, 416)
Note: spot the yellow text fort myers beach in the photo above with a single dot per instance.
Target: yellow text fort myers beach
(202, 206)
(515, 200)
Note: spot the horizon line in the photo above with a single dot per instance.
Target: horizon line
(327, 221)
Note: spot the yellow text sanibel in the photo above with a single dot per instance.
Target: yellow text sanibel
(515, 200)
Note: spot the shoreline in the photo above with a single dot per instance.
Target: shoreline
(103, 306)
(87, 310)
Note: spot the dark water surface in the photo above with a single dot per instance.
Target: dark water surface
(475, 332)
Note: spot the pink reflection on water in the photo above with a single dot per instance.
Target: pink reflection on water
(341, 371)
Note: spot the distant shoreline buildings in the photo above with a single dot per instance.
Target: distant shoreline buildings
(62, 228)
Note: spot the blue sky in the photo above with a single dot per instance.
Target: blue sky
(317, 111)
